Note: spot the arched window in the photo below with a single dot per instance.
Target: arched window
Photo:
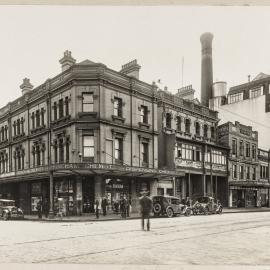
(187, 125)
(198, 128)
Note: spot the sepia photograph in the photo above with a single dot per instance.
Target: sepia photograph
(134, 136)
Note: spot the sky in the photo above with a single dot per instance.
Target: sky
(33, 39)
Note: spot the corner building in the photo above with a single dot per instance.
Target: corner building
(89, 132)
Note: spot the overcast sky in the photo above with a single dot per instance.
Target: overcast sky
(34, 38)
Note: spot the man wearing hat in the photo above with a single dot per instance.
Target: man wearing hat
(146, 208)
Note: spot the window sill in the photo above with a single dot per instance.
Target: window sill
(187, 134)
(118, 118)
(35, 130)
(84, 114)
(88, 159)
(144, 125)
(61, 120)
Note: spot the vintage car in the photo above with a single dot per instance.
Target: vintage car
(207, 205)
(170, 206)
(8, 210)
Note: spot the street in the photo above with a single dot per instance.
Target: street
(230, 239)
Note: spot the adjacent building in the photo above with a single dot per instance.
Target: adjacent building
(248, 180)
(188, 143)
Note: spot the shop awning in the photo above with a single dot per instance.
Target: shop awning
(248, 184)
(88, 168)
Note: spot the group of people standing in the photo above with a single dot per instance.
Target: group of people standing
(121, 206)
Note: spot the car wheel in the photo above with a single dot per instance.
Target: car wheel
(157, 209)
(188, 212)
(169, 212)
(5, 216)
(220, 210)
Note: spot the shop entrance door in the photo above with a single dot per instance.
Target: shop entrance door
(88, 194)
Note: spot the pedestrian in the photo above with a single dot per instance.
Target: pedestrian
(123, 207)
(97, 208)
(116, 207)
(39, 209)
(46, 208)
(128, 207)
(104, 204)
(146, 208)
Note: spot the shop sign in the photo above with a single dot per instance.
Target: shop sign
(91, 166)
(120, 186)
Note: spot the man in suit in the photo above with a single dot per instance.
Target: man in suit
(146, 208)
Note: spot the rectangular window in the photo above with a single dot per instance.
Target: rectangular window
(247, 150)
(235, 97)
(66, 106)
(256, 92)
(38, 155)
(178, 123)
(241, 146)
(168, 120)
(205, 131)
(22, 125)
(14, 128)
(118, 149)
(248, 172)
(87, 102)
(234, 147)
(42, 117)
(145, 152)
(18, 127)
(67, 152)
(117, 107)
(88, 146)
(61, 108)
(33, 120)
(61, 150)
(144, 115)
(213, 133)
(55, 111)
(38, 118)
(234, 171)
(253, 151)
(253, 173)
(55, 154)
(241, 172)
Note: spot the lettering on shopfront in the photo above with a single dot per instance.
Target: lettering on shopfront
(87, 166)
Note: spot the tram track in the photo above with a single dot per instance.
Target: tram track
(144, 245)
(189, 227)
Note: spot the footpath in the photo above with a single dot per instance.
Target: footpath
(110, 217)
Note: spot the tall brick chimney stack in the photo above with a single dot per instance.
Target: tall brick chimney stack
(131, 69)
(67, 61)
(207, 68)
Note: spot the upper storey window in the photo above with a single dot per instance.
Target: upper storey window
(117, 107)
(87, 102)
(235, 98)
(256, 92)
(144, 115)
(197, 129)
(168, 120)
(205, 131)
(187, 125)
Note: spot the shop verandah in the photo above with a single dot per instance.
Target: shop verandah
(76, 186)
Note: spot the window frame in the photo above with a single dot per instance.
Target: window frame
(88, 103)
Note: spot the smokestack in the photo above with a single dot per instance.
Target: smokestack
(207, 68)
